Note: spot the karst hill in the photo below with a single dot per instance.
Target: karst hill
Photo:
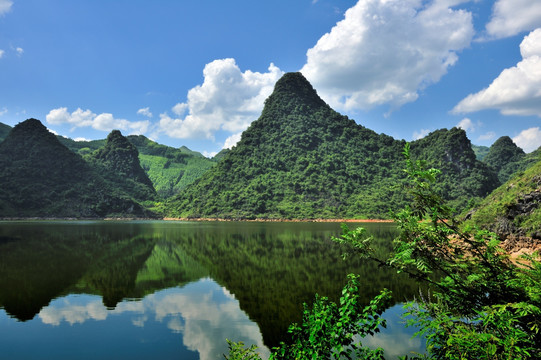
(302, 159)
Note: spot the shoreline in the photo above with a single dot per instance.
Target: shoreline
(283, 220)
(194, 219)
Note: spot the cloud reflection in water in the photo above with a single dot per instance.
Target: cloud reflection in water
(203, 312)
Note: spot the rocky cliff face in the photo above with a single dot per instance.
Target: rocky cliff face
(513, 211)
(524, 207)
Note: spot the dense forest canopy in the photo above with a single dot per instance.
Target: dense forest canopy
(41, 177)
(300, 159)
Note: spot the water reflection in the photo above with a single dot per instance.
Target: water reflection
(82, 274)
(203, 312)
(396, 339)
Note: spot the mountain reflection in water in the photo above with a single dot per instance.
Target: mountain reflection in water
(157, 289)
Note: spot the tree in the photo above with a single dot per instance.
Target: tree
(479, 304)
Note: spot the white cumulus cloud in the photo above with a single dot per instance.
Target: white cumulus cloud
(228, 100)
(420, 134)
(232, 140)
(2, 52)
(5, 6)
(510, 17)
(385, 51)
(517, 90)
(58, 312)
(145, 112)
(529, 139)
(488, 136)
(467, 124)
(103, 122)
(209, 154)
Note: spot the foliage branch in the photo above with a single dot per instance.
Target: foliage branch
(479, 304)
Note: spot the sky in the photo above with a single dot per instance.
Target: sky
(197, 73)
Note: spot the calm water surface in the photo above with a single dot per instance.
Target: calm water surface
(175, 290)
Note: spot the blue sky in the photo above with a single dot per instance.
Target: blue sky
(196, 73)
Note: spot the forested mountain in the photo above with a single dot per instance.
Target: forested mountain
(515, 207)
(506, 158)
(480, 151)
(41, 177)
(301, 159)
(503, 152)
(463, 176)
(118, 162)
(170, 169)
(4, 131)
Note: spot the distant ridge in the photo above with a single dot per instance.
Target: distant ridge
(301, 159)
(169, 169)
(506, 158)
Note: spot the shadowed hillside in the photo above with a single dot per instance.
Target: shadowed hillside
(41, 177)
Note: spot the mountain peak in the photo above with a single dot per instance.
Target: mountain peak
(504, 157)
(30, 126)
(41, 177)
(27, 135)
(122, 157)
(506, 141)
(294, 93)
(502, 152)
(302, 159)
(293, 82)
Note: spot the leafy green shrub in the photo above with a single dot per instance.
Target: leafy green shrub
(480, 304)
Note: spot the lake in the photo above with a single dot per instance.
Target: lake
(176, 290)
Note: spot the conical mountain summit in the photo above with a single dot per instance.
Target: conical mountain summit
(302, 159)
(119, 155)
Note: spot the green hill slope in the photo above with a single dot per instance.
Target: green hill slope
(41, 177)
(515, 207)
(118, 163)
(170, 169)
(82, 147)
(480, 151)
(301, 159)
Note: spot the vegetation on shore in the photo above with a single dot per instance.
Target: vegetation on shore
(303, 160)
(299, 160)
(513, 209)
(480, 304)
